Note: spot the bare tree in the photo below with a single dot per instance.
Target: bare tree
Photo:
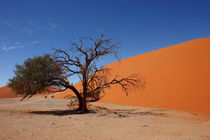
(84, 61)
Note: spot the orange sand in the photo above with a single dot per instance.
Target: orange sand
(67, 93)
(177, 77)
(6, 92)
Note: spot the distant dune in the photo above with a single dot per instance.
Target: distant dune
(177, 77)
(6, 92)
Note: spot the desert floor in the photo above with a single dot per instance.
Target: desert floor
(39, 118)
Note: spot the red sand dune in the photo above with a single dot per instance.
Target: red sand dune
(6, 92)
(68, 93)
(177, 77)
(65, 94)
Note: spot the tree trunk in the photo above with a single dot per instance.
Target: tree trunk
(84, 105)
(84, 84)
(82, 100)
(80, 103)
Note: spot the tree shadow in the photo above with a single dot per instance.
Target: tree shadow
(102, 111)
(62, 112)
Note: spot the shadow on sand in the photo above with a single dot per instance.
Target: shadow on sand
(100, 111)
(61, 112)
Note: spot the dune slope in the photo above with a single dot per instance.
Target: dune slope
(177, 77)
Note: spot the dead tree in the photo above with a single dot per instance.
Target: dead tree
(84, 61)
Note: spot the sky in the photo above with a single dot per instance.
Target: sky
(31, 28)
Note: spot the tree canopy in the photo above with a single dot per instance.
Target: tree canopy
(35, 75)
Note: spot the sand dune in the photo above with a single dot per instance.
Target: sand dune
(177, 77)
(6, 92)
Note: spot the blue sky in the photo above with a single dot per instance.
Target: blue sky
(33, 27)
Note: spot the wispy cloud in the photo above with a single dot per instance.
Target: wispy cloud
(28, 31)
(8, 48)
(35, 42)
(7, 23)
(17, 45)
(11, 47)
(21, 30)
(29, 26)
(53, 25)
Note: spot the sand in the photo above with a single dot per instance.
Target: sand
(6, 92)
(40, 118)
